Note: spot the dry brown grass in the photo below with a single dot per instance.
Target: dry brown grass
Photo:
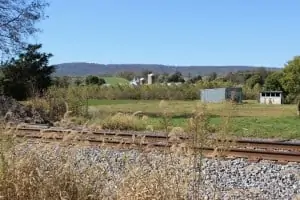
(30, 177)
(54, 171)
(42, 171)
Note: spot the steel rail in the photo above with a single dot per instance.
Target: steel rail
(242, 143)
(251, 154)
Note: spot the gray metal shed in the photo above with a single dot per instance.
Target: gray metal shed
(218, 95)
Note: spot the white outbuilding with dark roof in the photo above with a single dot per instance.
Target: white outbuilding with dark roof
(271, 97)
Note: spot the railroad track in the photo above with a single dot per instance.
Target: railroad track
(254, 150)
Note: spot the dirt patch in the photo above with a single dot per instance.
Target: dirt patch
(13, 111)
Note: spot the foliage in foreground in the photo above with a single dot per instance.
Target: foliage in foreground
(42, 174)
(58, 171)
(39, 171)
(28, 75)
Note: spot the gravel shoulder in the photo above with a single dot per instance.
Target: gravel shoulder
(227, 179)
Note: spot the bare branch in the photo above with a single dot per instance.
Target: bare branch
(17, 22)
(11, 20)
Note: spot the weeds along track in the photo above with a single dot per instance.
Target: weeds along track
(253, 150)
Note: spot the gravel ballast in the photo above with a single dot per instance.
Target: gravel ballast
(225, 179)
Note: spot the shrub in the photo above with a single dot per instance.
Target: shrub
(73, 97)
(122, 121)
(94, 80)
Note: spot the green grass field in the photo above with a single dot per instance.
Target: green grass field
(115, 80)
(247, 120)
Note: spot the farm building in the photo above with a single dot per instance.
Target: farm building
(136, 81)
(141, 81)
(271, 97)
(150, 78)
(218, 95)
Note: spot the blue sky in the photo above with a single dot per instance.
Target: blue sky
(172, 32)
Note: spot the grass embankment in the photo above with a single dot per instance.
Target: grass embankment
(247, 120)
(115, 80)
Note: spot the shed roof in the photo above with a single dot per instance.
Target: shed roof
(222, 88)
(274, 91)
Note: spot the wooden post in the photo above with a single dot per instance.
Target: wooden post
(298, 108)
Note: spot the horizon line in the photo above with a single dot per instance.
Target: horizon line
(166, 65)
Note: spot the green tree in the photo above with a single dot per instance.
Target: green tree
(239, 77)
(262, 72)
(253, 80)
(62, 82)
(162, 78)
(212, 76)
(78, 81)
(176, 77)
(291, 76)
(195, 79)
(257, 89)
(17, 22)
(1, 81)
(273, 81)
(94, 80)
(29, 74)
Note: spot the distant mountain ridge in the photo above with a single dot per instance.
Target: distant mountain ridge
(83, 69)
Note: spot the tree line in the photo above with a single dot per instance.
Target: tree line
(286, 80)
(29, 74)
